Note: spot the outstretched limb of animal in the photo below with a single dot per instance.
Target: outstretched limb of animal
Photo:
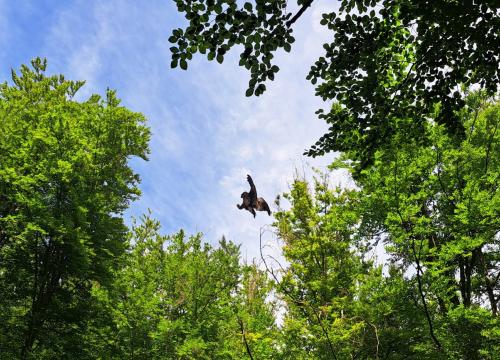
(246, 207)
(250, 200)
(253, 191)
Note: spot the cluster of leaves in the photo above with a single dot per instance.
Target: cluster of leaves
(397, 63)
(215, 26)
(390, 62)
(441, 204)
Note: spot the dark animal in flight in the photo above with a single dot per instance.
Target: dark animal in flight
(250, 200)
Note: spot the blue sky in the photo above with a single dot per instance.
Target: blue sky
(206, 134)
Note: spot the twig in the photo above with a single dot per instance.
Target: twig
(405, 226)
(249, 351)
(376, 336)
(422, 296)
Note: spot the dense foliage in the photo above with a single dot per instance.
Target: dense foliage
(389, 63)
(64, 182)
(177, 298)
(439, 206)
(436, 209)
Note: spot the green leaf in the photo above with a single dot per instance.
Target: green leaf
(183, 64)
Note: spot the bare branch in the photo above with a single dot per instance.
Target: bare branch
(406, 226)
(299, 13)
(249, 351)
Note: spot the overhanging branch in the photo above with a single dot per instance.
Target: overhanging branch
(299, 13)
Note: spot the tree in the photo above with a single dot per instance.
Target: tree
(179, 298)
(64, 182)
(319, 283)
(390, 62)
(339, 304)
(437, 297)
(438, 206)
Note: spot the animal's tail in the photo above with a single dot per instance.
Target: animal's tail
(266, 207)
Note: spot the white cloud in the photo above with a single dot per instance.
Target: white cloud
(206, 134)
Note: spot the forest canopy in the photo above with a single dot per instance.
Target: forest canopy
(403, 264)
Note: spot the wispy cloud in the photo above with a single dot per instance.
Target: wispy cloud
(206, 134)
(4, 27)
(262, 136)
